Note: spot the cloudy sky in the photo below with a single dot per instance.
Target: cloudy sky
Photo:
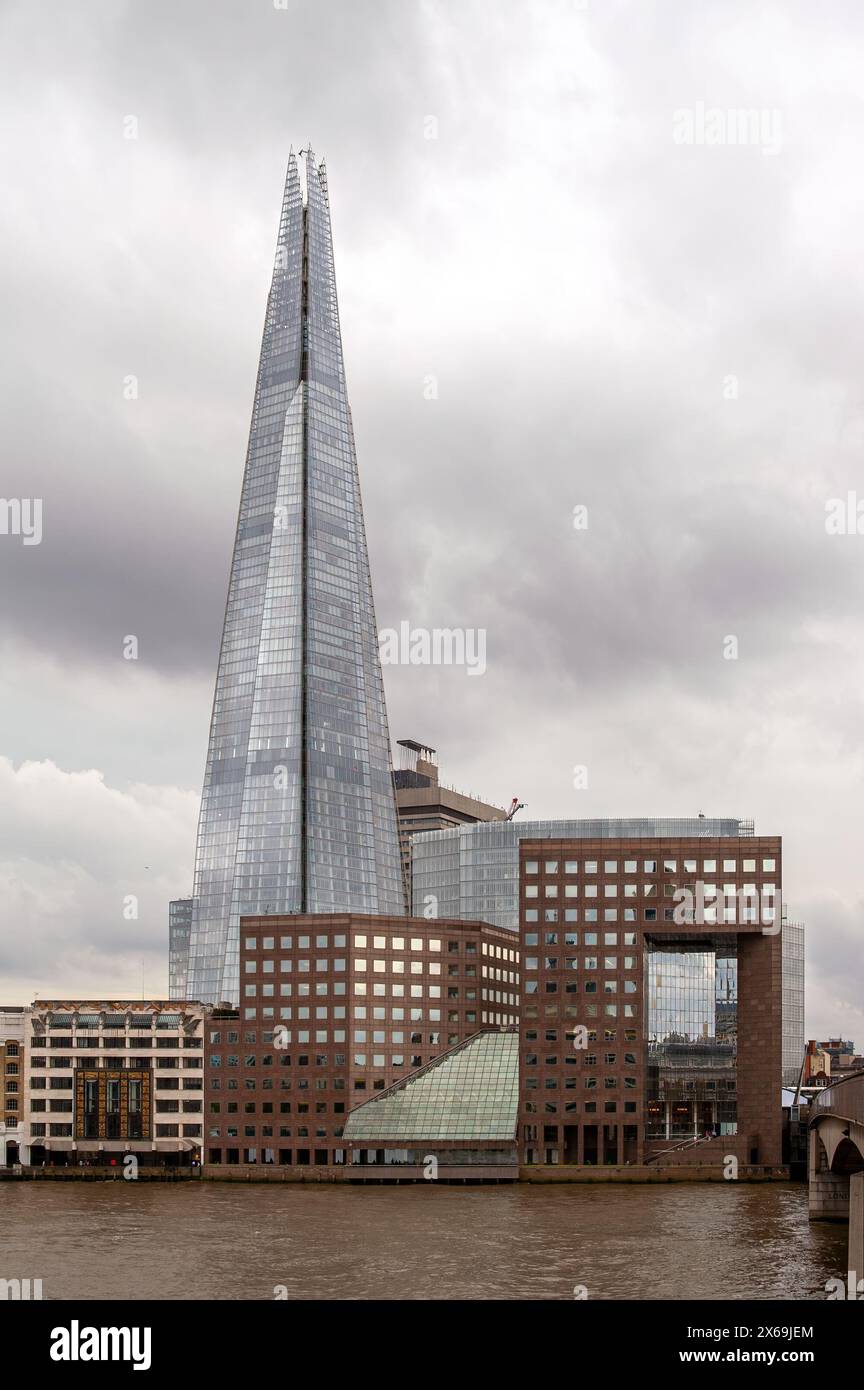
(569, 277)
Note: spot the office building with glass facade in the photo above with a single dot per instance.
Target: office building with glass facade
(793, 1001)
(651, 999)
(474, 871)
(298, 811)
(179, 930)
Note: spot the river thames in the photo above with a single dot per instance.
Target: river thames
(203, 1240)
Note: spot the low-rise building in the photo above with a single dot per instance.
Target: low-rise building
(12, 1116)
(111, 1078)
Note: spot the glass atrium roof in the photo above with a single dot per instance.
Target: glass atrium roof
(470, 1093)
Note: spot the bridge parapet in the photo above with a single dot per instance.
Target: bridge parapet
(843, 1099)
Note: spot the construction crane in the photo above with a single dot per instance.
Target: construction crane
(515, 805)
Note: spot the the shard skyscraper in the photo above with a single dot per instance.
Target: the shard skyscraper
(298, 811)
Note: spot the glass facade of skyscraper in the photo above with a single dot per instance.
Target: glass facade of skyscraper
(473, 872)
(179, 928)
(298, 811)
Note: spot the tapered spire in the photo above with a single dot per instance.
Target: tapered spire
(298, 811)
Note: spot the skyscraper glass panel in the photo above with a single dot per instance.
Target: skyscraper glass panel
(298, 811)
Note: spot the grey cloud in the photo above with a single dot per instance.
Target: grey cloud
(580, 286)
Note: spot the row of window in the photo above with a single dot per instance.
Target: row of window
(162, 1083)
(590, 1059)
(610, 1035)
(286, 1083)
(571, 1107)
(251, 1132)
(360, 990)
(587, 987)
(250, 1107)
(64, 1131)
(361, 965)
(379, 943)
(590, 1083)
(649, 890)
(117, 1043)
(161, 1063)
(588, 963)
(650, 866)
(589, 938)
(747, 913)
(609, 1010)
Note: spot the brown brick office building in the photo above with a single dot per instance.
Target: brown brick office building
(681, 1019)
(334, 1008)
(678, 1003)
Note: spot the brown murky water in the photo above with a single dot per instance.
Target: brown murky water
(215, 1241)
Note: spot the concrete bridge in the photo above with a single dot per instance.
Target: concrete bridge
(835, 1169)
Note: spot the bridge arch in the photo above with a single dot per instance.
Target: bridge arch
(836, 1161)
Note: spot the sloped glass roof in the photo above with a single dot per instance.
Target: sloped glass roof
(469, 1093)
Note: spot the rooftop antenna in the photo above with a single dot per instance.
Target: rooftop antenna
(306, 155)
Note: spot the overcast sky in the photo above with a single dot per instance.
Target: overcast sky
(541, 207)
